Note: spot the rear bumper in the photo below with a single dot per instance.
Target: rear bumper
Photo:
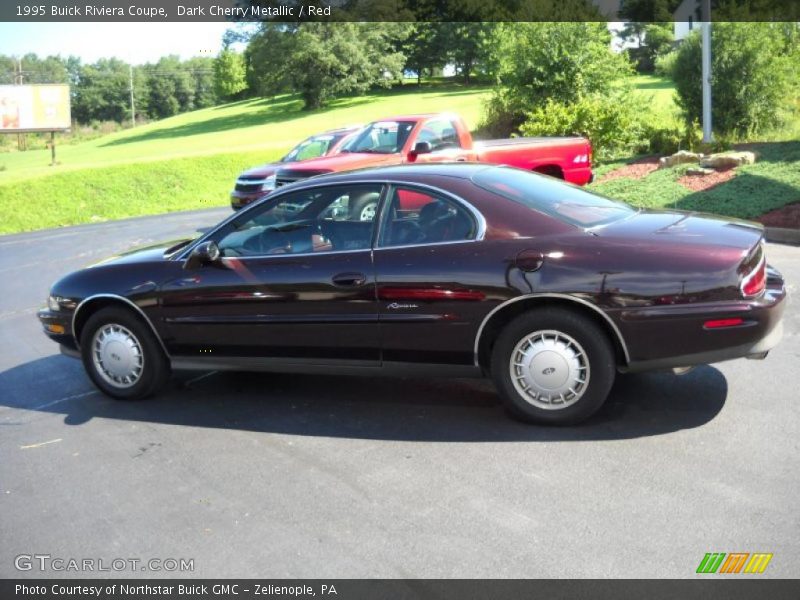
(579, 176)
(675, 336)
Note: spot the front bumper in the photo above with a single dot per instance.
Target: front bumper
(58, 327)
(675, 336)
(242, 199)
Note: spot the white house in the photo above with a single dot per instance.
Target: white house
(687, 18)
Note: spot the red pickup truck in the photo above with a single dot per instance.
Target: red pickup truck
(444, 137)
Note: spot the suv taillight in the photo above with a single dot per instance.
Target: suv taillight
(755, 282)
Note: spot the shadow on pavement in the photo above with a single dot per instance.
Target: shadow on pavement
(434, 410)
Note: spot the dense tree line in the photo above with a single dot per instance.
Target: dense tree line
(101, 90)
(319, 61)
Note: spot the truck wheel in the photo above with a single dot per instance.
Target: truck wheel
(122, 356)
(553, 366)
(365, 207)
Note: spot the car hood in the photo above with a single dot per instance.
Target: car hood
(261, 171)
(152, 253)
(690, 228)
(344, 162)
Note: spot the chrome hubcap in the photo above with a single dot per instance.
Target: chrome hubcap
(368, 212)
(549, 369)
(117, 355)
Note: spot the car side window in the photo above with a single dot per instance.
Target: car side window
(441, 133)
(316, 220)
(418, 217)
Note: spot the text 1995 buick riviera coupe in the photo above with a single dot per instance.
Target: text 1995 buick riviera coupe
(546, 287)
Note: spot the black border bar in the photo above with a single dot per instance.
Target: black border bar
(368, 10)
(701, 588)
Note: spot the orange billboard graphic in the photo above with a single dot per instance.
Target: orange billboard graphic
(42, 107)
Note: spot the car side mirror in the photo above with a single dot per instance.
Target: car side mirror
(422, 148)
(202, 254)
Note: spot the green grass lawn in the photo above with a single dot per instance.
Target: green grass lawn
(772, 182)
(190, 160)
(660, 94)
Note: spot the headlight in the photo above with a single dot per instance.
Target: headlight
(53, 304)
(269, 184)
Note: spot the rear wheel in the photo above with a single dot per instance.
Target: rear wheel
(553, 366)
(122, 356)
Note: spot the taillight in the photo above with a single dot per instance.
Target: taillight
(755, 282)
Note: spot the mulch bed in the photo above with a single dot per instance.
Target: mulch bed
(787, 217)
(636, 170)
(700, 183)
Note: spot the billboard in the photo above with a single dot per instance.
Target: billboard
(42, 107)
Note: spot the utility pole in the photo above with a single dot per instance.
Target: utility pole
(708, 135)
(18, 79)
(133, 111)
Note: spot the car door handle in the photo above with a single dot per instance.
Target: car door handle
(349, 279)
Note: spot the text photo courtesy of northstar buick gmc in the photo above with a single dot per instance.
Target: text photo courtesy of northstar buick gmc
(435, 137)
(545, 287)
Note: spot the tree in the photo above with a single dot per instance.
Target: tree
(321, 60)
(102, 92)
(201, 70)
(653, 40)
(171, 87)
(470, 45)
(425, 48)
(559, 61)
(751, 77)
(229, 74)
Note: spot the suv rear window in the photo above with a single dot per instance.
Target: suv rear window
(565, 202)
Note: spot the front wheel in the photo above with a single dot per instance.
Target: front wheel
(553, 366)
(365, 208)
(122, 356)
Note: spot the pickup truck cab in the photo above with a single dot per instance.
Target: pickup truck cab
(443, 137)
(257, 182)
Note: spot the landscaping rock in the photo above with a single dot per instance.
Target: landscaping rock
(728, 160)
(679, 158)
(699, 171)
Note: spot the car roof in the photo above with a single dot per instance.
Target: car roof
(458, 170)
(345, 129)
(413, 117)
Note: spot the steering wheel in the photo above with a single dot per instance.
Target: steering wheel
(269, 241)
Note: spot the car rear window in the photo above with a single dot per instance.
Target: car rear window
(563, 201)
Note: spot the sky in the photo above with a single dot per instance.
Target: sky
(136, 43)
(132, 42)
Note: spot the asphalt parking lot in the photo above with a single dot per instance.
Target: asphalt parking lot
(298, 476)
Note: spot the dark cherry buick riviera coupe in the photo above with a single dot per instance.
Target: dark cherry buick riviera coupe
(548, 288)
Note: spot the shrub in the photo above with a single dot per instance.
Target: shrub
(670, 139)
(541, 62)
(750, 80)
(613, 123)
(665, 64)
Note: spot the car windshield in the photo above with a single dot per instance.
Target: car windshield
(566, 202)
(381, 137)
(313, 147)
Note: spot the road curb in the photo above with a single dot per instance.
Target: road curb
(782, 235)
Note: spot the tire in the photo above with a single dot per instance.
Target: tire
(130, 347)
(549, 351)
(365, 207)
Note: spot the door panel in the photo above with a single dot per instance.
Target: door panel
(280, 306)
(295, 281)
(431, 278)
